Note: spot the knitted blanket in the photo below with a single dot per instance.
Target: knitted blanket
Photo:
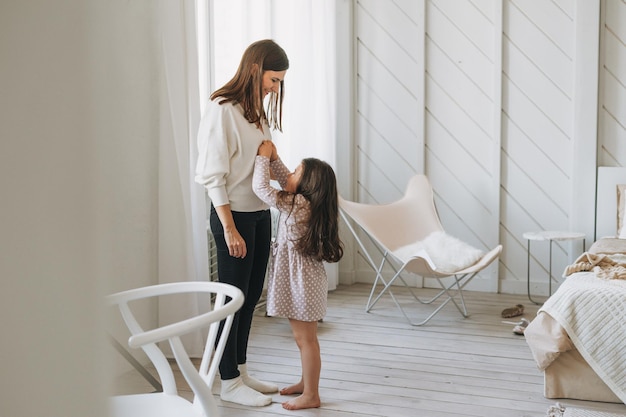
(559, 410)
(593, 312)
(604, 266)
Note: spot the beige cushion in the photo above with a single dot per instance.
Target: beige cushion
(608, 245)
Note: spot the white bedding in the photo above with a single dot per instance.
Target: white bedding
(592, 312)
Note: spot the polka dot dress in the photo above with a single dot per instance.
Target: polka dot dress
(297, 286)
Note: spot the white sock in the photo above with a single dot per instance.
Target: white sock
(235, 391)
(255, 384)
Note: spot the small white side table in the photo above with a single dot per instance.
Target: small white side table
(550, 236)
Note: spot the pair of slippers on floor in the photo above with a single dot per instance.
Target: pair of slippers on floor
(520, 326)
(515, 311)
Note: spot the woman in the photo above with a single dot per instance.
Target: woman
(235, 123)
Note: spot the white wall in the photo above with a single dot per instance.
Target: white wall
(125, 108)
(126, 112)
(48, 250)
(78, 128)
(495, 101)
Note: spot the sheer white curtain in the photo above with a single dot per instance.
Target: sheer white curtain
(306, 30)
(182, 243)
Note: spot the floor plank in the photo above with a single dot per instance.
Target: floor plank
(376, 364)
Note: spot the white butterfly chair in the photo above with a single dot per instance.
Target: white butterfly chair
(400, 231)
(227, 300)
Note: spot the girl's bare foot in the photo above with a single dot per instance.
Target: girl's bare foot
(302, 402)
(293, 389)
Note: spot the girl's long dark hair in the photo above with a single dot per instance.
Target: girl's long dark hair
(319, 186)
(246, 87)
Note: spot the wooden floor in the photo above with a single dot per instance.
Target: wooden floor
(376, 364)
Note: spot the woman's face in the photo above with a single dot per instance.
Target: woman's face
(294, 179)
(271, 81)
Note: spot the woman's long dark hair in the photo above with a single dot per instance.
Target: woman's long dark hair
(319, 186)
(246, 87)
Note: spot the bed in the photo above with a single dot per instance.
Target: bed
(578, 337)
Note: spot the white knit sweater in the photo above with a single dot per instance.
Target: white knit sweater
(227, 147)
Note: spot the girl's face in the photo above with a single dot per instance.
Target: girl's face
(294, 179)
(271, 81)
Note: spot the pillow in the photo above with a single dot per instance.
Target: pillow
(608, 246)
(621, 207)
(448, 253)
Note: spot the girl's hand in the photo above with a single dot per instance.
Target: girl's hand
(266, 149)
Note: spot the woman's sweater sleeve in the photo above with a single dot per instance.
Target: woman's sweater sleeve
(213, 164)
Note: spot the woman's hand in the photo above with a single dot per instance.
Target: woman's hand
(236, 244)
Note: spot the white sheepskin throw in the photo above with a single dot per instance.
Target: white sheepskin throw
(448, 253)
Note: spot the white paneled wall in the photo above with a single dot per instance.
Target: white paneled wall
(390, 96)
(463, 120)
(537, 145)
(495, 100)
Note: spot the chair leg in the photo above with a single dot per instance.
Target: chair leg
(460, 291)
(379, 277)
(451, 297)
(427, 319)
(442, 305)
(398, 275)
(459, 283)
(387, 285)
(387, 288)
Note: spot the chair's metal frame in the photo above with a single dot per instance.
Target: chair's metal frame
(460, 280)
(419, 264)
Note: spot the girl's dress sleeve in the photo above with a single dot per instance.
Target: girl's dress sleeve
(261, 181)
(281, 172)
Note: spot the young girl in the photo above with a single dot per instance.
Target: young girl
(308, 233)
